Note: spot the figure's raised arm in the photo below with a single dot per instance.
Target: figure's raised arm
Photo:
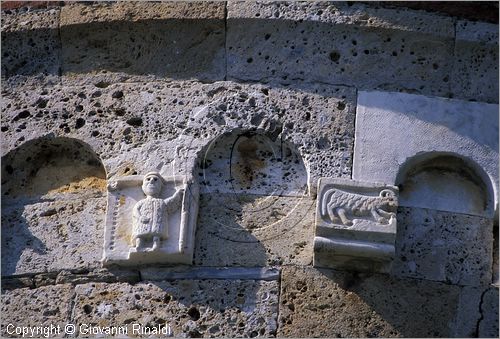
(174, 201)
(123, 182)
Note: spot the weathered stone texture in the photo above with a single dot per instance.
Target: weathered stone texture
(130, 118)
(275, 230)
(191, 308)
(31, 47)
(324, 303)
(164, 40)
(443, 246)
(340, 44)
(121, 118)
(488, 324)
(50, 236)
(475, 68)
(44, 306)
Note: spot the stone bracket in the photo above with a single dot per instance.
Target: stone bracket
(355, 225)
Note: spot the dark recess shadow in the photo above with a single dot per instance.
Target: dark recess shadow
(27, 180)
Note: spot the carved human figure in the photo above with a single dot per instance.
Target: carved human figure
(150, 215)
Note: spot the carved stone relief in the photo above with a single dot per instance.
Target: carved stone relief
(150, 219)
(355, 225)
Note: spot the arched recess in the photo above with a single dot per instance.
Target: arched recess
(445, 220)
(254, 201)
(252, 162)
(47, 166)
(447, 182)
(53, 197)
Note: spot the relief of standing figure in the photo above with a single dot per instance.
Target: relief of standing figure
(151, 214)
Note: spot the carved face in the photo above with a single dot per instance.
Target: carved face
(389, 198)
(151, 185)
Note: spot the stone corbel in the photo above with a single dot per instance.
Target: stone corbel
(355, 225)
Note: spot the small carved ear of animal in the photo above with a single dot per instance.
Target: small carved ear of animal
(386, 193)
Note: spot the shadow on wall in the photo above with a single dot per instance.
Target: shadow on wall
(446, 182)
(252, 184)
(409, 308)
(252, 162)
(445, 220)
(44, 184)
(277, 50)
(197, 308)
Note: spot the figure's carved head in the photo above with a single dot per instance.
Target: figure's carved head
(388, 198)
(152, 184)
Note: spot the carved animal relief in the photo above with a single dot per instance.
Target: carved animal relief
(355, 225)
(338, 205)
(150, 219)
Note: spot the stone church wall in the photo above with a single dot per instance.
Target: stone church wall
(254, 103)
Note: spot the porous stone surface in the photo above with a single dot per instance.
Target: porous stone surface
(191, 308)
(443, 246)
(255, 101)
(276, 230)
(339, 43)
(419, 126)
(130, 40)
(129, 119)
(488, 324)
(475, 69)
(31, 48)
(327, 303)
(44, 306)
(36, 240)
(168, 126)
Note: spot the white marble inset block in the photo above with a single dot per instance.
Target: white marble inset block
(355, 225)
(150, 219)
(394, 131)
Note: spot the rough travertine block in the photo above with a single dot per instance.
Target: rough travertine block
(421, 128)
(155, 225)
(336, 43)
(275, 230)
(134, 128)
(50, 236)
(41, 307)
(192, 308)
(73, 14)
(355, 225)
(31, 46)
(488, 325)
(475, 70)
(363, 305)
(443, 246)
(177, 122)
(166, 40)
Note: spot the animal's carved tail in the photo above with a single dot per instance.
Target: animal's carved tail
(326, 201)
